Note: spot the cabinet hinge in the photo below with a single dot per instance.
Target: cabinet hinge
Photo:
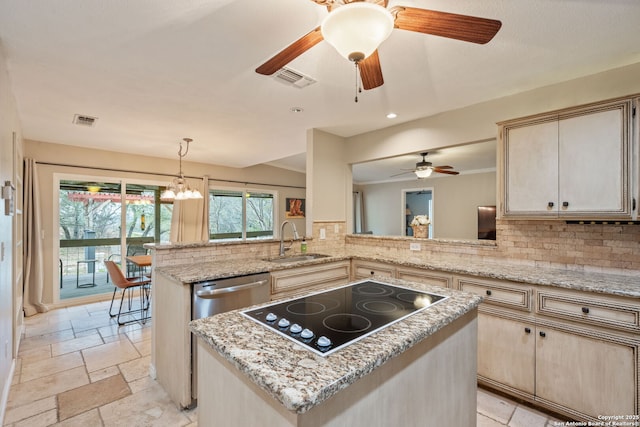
(633, 111)
(633, 207)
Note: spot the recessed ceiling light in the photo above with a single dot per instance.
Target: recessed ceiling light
(392, 116)
(297, 109)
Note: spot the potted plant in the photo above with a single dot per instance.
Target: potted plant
(420, 226)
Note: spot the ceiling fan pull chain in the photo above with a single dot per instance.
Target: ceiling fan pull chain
(358, 89)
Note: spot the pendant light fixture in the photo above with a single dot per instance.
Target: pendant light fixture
(178, 188)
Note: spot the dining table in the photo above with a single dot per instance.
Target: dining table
(140, 261)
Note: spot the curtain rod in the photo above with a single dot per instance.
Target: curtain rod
(167, 174)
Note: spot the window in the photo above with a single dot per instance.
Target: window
(242, 215)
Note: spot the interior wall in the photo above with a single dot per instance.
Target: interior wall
(455, 203)
(329, 177)
(9, 123)
(274, 178)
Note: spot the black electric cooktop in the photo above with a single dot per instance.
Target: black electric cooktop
(326, 321)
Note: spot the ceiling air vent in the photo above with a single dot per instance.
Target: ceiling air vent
(83, 120)
(293, 78)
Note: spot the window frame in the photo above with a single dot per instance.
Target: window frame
(244, 235)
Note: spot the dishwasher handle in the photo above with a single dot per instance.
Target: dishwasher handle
(214, 293)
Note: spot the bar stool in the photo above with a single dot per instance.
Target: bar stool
(127, 285)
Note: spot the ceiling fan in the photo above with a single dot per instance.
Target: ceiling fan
(357, 27)
(424, 169)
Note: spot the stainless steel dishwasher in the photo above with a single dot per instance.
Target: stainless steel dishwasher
(218, 296)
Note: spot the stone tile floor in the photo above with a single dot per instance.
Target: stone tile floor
(77, 367)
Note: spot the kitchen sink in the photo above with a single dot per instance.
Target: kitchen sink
(296, 258)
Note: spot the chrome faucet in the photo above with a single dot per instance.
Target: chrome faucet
(295, 237)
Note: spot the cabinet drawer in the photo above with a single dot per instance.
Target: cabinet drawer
(600, 310)
(424, 276)
(498, 293)
(364, 270)
(305, 277)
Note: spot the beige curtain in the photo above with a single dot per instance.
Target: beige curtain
(190, 218)
(33, 252)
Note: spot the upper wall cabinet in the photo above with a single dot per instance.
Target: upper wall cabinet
(571, 164)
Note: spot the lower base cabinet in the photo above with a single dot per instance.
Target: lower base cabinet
(585, 373)
(570, 370)
(507, 353)
(303, 280)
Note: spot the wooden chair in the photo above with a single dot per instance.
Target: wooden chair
(127, 285)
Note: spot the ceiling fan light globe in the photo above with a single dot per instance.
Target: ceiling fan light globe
(357, 29)
(423, 173)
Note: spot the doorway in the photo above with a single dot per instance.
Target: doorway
(94, 227)
(417, 202)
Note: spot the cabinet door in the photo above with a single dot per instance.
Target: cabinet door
(593, 162)
(531, 169)
(588, 374)
(506, 352)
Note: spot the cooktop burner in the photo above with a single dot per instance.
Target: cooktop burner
(326, 321)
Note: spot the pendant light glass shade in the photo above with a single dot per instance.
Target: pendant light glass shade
(357, 29)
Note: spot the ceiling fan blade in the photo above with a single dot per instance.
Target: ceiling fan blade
(446, 171)
(401, 173)
(460, 27)
(371, 72)
(291, 52)
(443, 167)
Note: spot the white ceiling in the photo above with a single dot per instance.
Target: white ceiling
(155, 71)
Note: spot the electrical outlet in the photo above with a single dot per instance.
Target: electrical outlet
(323, 234)
(336, 228)
(414, 246)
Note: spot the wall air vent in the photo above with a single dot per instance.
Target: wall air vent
(293, 78)
(84, 120)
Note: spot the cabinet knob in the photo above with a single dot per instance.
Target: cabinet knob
(488, 292)
(550, 204)
(373, 273)
(543, 334)
(585, 310)
(565, 204)
(527, 330)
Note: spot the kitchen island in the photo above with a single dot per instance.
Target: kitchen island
(418, 371)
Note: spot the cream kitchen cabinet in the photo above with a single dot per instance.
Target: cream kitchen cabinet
(421, 275)
(367, 269)
(570, 164)
(507, 353)
(575, 353)
(292, 281)
(585, 373)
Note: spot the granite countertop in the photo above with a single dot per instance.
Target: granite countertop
(605, 283)
(300, 379)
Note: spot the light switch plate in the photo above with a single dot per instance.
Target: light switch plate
(323, 234)
(415, 246)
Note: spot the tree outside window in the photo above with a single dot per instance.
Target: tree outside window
(240, 214)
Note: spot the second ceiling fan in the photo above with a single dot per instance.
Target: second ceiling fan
(424, 169)
(343, 28)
